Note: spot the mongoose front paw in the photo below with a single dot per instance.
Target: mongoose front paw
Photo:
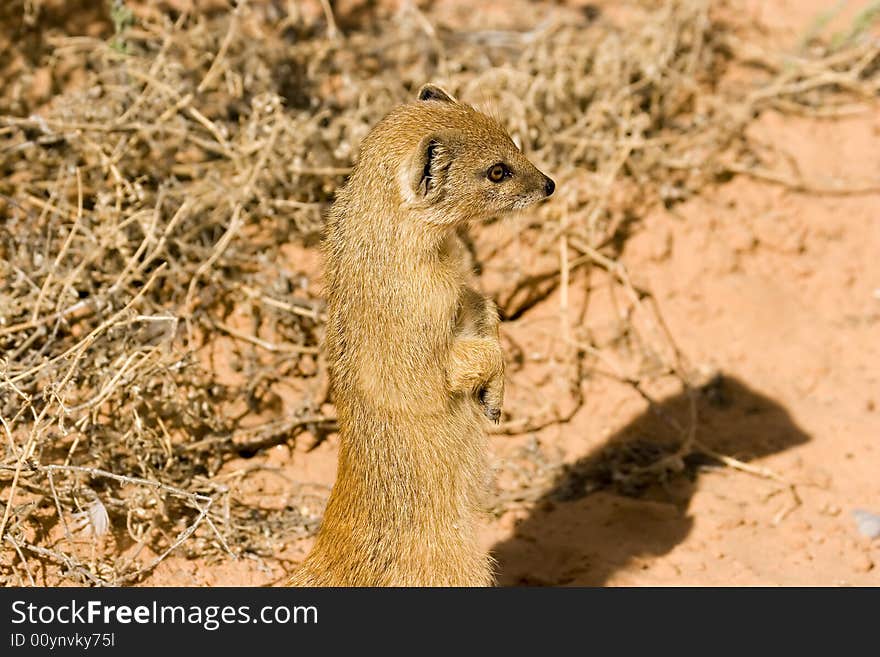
(476, 368)
(490, 409)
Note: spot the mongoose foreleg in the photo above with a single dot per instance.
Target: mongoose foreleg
(476, 361)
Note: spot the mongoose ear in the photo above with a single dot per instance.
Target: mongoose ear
(429, 167)
(433, 92)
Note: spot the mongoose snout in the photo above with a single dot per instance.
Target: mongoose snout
(549, 187)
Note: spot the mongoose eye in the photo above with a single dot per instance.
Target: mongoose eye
(498, 172)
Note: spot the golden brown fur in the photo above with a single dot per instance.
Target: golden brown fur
(414, 356)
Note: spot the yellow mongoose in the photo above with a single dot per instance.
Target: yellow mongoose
(414, 357)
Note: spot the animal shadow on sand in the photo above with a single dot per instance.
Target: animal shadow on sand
(609, 508)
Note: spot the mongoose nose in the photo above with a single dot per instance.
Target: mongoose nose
(549, 186)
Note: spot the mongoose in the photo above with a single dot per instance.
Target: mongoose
(413, 352)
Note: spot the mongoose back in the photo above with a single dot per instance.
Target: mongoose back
(413, 352)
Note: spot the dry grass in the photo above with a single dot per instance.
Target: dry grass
(149, 317)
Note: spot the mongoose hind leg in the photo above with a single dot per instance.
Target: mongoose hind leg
(476, 367)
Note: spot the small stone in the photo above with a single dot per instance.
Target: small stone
(548, 506)
(868, 523)
(307, 365)
(509, 520)
(278, 455)
(41, 84)
(662, 248)
(860, 562)
(305, 442)
(741, 238)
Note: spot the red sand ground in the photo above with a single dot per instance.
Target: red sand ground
(780, 292)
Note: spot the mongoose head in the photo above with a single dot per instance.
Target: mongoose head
(460, 165)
